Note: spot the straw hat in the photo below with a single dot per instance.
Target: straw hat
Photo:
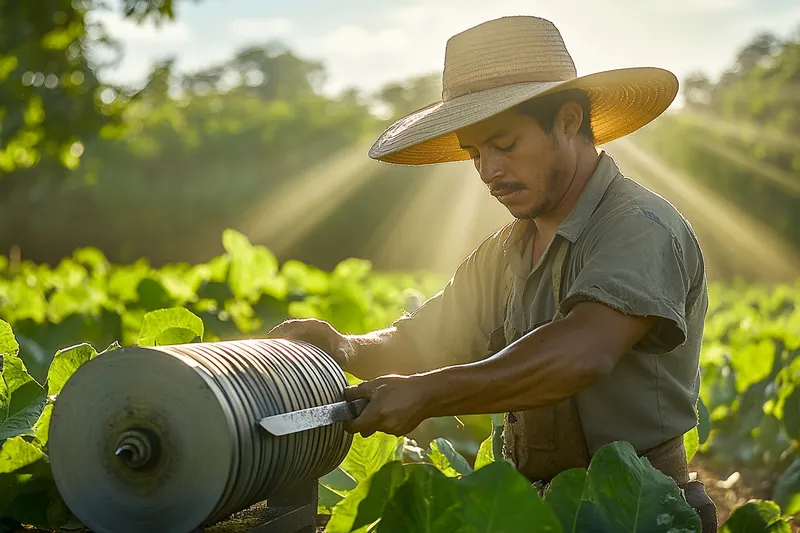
(503, 62)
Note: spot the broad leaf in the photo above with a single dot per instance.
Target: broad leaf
(428, 502)
(565, 497)
(326, 499)
(703, 422)
(485, 453)
(158, 322)
(447, 459)
(498, 499)
(41, 428)
(753, 363)
(368, 454)
(786, 492)
(338, 481)
(15, 374)
(8, 344)
(365, 504)
(791, 413)
(22, 422)
(635, 497)
(251, 268)
(65, 363)
(691, 442)
(756, 516)
(175, 336)
(16, 453)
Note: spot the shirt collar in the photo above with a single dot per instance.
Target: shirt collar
(572, 226)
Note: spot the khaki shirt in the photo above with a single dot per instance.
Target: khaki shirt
(629, 249)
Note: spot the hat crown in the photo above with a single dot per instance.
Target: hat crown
(504, 51)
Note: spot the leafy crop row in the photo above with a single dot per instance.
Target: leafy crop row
(749, 410)
(385, 483)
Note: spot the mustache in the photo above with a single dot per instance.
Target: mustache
(500, 189)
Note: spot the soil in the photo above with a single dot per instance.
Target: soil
(730, 488)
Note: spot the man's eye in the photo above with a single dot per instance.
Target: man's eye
(507, 148)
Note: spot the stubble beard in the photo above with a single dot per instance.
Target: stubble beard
(551, 191)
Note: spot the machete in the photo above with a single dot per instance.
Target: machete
(313, 417)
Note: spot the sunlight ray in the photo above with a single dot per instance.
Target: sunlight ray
(734, 243)
(740, 129)
(783, 180)
(300, 204)
(439, 223)
(408, 233)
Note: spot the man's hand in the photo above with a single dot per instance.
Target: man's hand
(397, 405)
(318, 333)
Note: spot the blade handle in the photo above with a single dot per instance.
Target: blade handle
(357, 406)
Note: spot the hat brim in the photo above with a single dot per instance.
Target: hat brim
(622, 101)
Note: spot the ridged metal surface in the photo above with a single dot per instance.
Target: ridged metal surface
(200, 405)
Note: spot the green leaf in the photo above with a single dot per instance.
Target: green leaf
(161, 321)
(756, 516)
(703, 422)
(485, 453)
(753, 363)
(16, 454)
(428, 502)
(65, 363)
(635, 497)
(326, 499)
(498, 499)
(368, 454)
(691, 442)
(791, 413)
(41, 428)
(366, 503)
(21, 422)
(175, 336)
(447, 459)
(338, 481)
(8, 344)
(15, 374)
(566, 497)
(252, 267)
(786, 492)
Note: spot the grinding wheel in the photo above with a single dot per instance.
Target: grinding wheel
(167, 438)
(141, 442)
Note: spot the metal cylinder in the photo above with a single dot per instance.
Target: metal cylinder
(167, 438)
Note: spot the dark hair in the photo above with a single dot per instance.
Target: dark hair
(544, 108)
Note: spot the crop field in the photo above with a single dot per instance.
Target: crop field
(56, 318)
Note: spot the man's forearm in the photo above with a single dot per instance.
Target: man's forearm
(380, 353)
(550, 364)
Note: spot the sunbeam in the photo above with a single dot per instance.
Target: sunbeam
(439, 223)
(734, 243)
(740, 129)
(783, 180)
(299, 205)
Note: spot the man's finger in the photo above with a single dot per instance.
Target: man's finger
(366, 423)
(362, 390)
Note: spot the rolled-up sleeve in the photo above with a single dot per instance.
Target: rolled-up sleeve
(636, 265)
(454, 325)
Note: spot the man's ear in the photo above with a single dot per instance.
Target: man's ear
(569, 119)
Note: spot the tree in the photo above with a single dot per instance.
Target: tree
(51, 100)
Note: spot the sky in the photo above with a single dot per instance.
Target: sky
(365, 44)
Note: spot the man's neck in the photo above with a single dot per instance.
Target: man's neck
(547, 225)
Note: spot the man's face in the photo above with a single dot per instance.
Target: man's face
(525, 168)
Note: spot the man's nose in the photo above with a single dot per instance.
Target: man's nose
(489, 170)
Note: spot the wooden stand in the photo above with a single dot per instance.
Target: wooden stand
(292, 512)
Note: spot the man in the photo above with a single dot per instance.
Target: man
(582, 320)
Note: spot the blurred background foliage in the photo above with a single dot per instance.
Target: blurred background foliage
(160, 170)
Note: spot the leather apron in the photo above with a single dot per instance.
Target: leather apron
(547, 440)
